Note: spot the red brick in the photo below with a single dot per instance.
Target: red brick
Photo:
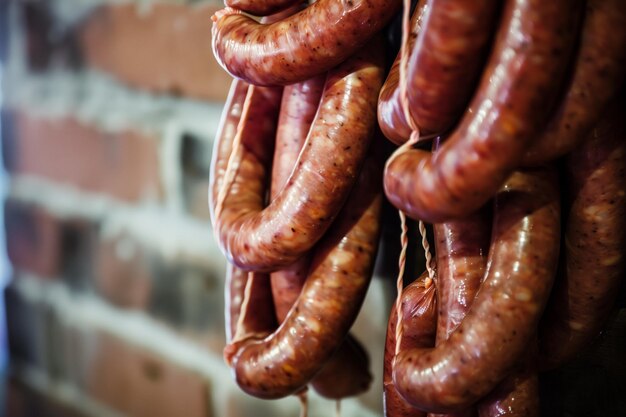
(23, 401)
(48, 246)
(166, 48)
(141, 384)
(45, 40)
(124, 165)
(186, 298)
(33, 239)
(195, 168)
(122, 275)
(26, 329)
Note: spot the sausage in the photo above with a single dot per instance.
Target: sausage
(300, 47)
(598, 73)
(446, 61)
(258, 320)
(391, 117)
(518, 394)
(299, 105)
(461, 247)
(419, 324)
(261, 7)
(595, 242)
(259, 317)
(347, 372)
(516, 93)
(338, 279)
(254, 237)
(500, 323)
(222, 146)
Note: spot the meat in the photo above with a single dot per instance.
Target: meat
(461, 247)
(258, 316)
(446, 60)
(347, 371)
(595, 242)
(337, 282)
(518, 394)
(298, 108)
(261, 7)
(264, 238)
(419, 324)
(597, 75)
(522, 261)
(300, 47)
(516, 93)
(391, 118)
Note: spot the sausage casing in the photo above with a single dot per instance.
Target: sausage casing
(300, 47)
(515, 97)
(504, 315)
(267, 238)
(419, 324)
(595, 242)
(336, 285)
(598, 73)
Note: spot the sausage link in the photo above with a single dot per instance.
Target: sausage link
(222, 146)
(598, 73)
(300, 47)
(503, 318)
(419, 326)
(461, 247)
(347, 372)
(515, 96)
(518, 394)
(254, 237)
(446, 61)
(261, 7)
(299, 105)
(595, 242)
(391, 117)
(258, 320)
(338, 279)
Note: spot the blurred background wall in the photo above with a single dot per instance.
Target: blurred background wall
(116, 295)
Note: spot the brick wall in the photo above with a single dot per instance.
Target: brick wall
(115, 303)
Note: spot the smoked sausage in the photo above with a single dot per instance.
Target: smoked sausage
(258, 320)
(518, 394)
(515, 96)
(419, 323)
(347, 372)
(261, 7)
(595, 242)
(298, 108)
(504, 315)
(461, 247)
(267, 238)
(338, 279)
(300, 47)
(446, 60)
(598, 73)
(391, 117)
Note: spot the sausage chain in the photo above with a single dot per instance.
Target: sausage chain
(517, 90)
(295, 193)
(347, 372)
(522, 262)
